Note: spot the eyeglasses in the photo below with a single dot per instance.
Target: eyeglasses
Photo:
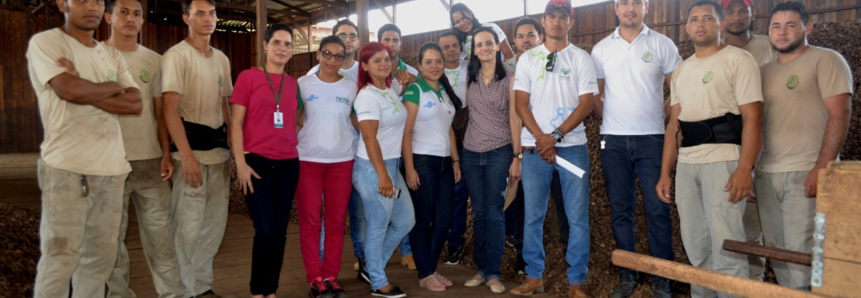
(352, 36)
(328, 55)
(551, 61)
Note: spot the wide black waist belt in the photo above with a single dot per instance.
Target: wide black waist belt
(725, 129)
(203, 138)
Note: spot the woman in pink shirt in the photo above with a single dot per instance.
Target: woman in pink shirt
(264, 126)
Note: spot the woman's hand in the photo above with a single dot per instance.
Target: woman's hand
(413, 181)
(514, 170)
(457, 173)
(387, 189)
(244, 173)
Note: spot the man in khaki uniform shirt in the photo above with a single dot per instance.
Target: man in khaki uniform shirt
(82, 167)
(807, 93)
(196, 84)
(146, 142)
(739, 18)
(712, 178)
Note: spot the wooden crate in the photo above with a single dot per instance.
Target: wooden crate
(839, 199)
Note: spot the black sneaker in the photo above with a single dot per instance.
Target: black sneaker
(207, 294)
(661, 288)
(626, 286)
(395, 292)
(319, 289)
(363, 275)
(335, 288)
(453, 255)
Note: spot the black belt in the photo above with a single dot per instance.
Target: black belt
(203, 138)
(725, 129)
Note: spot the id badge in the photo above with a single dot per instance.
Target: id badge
(279, 120)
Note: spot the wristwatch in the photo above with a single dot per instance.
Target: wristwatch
(557, 135)
(518, 156)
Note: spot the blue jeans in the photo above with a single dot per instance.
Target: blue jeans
(625, 160)
(357, 224)
(537, 177)
(381, 239)
(433, 202)
(406, 248)
(458, 220)
(485, 177)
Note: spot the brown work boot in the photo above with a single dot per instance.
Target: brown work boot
(577, 291)
(529, 287)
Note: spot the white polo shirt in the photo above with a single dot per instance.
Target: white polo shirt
(554, 95)
(634, 77)
(457, 78)
(385, 107)
(350, 73)
(327, 136)
(433, 120)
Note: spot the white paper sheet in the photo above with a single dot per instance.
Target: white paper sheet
(569, 166)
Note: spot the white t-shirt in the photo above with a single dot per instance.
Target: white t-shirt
(433, 120)
(385, 107)
(78, 138)
(140, 132)
(350, 73)
(327, 136)
(397, 85)
(634, 76)
(457, 78)
(467, 44)
(554, 95)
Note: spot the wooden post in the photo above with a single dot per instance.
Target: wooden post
(720, 282)
(262, 16)
(394, 12)
(142, 36)
(362, 7)
(767, 252)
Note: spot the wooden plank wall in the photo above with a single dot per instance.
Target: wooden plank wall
(21, 130)
(20, 125)
(594, 22)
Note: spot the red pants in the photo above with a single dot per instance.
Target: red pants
(332, 181)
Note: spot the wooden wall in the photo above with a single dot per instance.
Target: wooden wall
(20, 125)
(594, 22)
(21, 129)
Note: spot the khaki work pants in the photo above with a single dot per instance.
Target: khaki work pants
(708, 218)
(78, 232)
(151, 197)
(199, 221)
(787, 221)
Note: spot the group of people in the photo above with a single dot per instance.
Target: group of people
(402, 149)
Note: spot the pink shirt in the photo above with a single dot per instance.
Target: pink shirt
(252, 91)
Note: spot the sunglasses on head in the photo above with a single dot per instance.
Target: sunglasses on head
(328, 55)
(551, 61)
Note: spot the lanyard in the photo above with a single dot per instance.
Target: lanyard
(280, 89)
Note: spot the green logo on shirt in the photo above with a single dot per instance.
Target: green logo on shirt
(647, 57)
(343, 100)
(112, 75)
(456, 74)
(221, 80)
(792, 83)
(144, 76)
(708, 78)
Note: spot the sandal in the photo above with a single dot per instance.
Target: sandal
(447, 282)
(432, 284)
